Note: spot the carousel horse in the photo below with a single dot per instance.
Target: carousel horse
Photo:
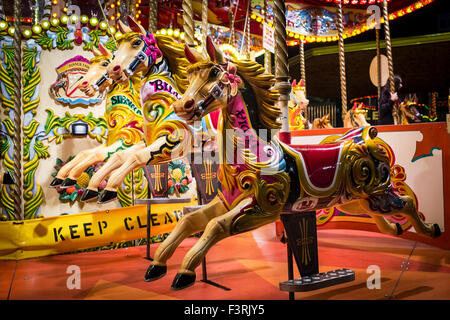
(297, 107)
(410, 114)
(356, 117)
(165, 136)
(262, 177)
(123, 116)
(322, 123)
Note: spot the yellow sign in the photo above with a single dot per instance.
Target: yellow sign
(53, 235)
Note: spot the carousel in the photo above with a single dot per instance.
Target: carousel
(164, 150)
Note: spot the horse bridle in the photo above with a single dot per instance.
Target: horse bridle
(140, 57)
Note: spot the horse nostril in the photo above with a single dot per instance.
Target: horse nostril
(188, 105)
(85, 83)
(116, 69)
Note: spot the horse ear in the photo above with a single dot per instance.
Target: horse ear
(190, 55)
(96, 52)
(294, 83)
(301, 83)
(123, 28)
(136, 27)
(327, 116)
(104, 51)
(415, 99)
(213, 52)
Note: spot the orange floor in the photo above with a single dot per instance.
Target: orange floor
(252, 265)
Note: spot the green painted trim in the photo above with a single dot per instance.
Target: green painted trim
(372, 45)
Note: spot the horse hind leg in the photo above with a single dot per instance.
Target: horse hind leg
(384, 225)
(408, 210)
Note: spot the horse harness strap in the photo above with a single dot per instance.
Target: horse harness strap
(141, 56)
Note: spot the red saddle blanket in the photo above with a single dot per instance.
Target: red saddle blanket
(321, 162)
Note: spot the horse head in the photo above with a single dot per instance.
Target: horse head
(212, 82)
(298, 92)
(356, 117)
(322, 123)
(96, 79)
(137, 51)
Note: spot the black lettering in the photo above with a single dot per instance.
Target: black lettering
(140, 223)
(102, 225)
(125, 221)
(158, 85)
(153, 219)
(241, 114)
(167, 218)
(87, 229)
(114, 100)
(73, 231)
(58, 233)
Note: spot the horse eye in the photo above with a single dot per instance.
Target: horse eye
(105, 64)
(214, 73)
(137, 43)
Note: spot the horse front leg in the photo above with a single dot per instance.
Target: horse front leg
(65, 177)
(161, 150)
(188, 225)
(114, 162)
(97, 155)
(217, 229)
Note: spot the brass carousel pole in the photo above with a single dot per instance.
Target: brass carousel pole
(17, 140)
(303, 71)
(231, 18)
(377, 33)
(188, 22)
(267, 53)
(153, 16)
(204, 22)
(282, 68)
(387, 35)
(342, 75)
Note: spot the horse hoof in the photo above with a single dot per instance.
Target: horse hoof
(399, 228)
(107, 196)
(89, 194)
(182, 281)
(437, 231)
(8, 178)
(56, 182)
(155, 272)
(68, 183)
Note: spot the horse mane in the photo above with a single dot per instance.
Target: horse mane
(175, 57)
(264, 96)
(98, 59)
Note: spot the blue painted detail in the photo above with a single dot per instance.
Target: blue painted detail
(425, 155)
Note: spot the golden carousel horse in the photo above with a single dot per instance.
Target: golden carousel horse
(297, 107)
(165, 136)
(410, 114)
(123, 116)
(356, 117)
(322, 123)
(262, 177)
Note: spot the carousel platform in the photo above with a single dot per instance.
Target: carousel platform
(252, 265)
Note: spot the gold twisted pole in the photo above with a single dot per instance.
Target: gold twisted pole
(267, 53)
(17, 139)
(302, 63)
(231, 18)
(387, 35)
(377, 34)
(204, 22)
(188, 22)
(153, 16)
(282, 67)
(342, 60)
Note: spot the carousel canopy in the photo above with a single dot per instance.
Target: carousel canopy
(308, 20)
